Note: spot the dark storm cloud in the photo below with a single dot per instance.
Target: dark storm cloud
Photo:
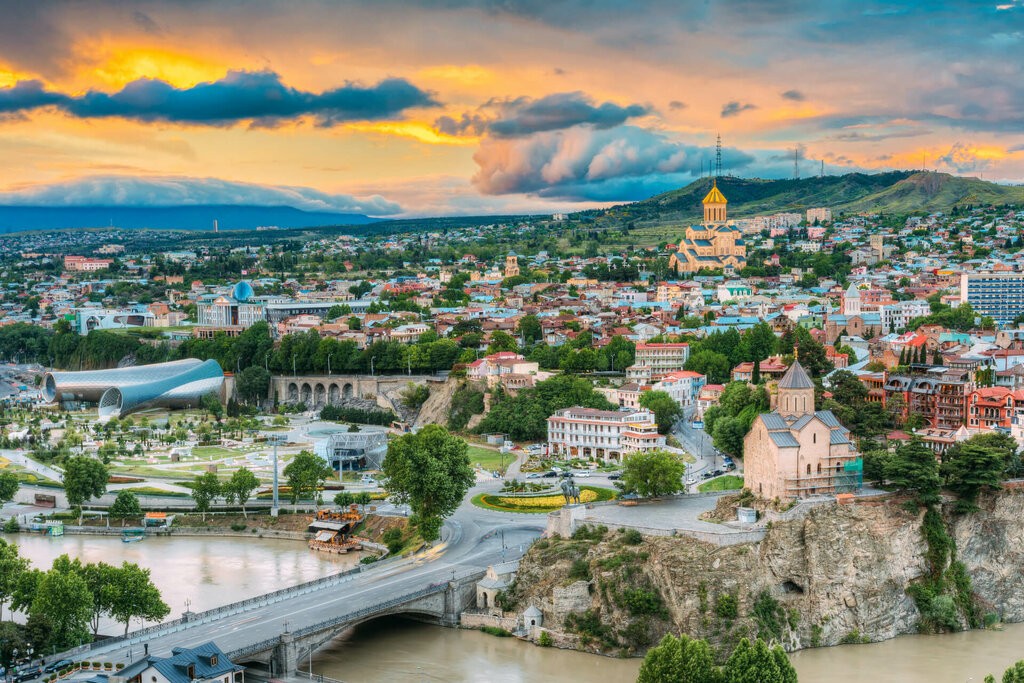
(587, 164)
(794, 95)
(146, 23)
(259, 97)
(676, 105)
(735, 108)
(525, 116)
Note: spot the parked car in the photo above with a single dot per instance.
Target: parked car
(691, 480)
(717, 473)
(615, 475)
(57, 666)
(548, 475)
(581, 473)
(707, 475)
(534, 475)
(728, 461)
(31, 673)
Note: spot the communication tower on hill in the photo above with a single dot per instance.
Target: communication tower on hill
(718, 157)
(796, 163)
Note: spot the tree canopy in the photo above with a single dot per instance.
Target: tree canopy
(653, 473)
(430, 471)
(306, 474)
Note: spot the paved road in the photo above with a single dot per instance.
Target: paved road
(18, 457)
(472, 540)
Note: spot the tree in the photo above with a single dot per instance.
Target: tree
(666, 410)
(977, 463)
(84, 479)
(430, 471)
(653, 473)
(240, 488)
(914, 467)
(8, 487)
(529, 329)
(679, 660)
(11, 638)
(306, 475)
(253, 383)
(713, 364)
(213, 406)
(502, 341)
(364, 499)
(132, 594)
(98, 577)
(125, 505)
(728, 435)
(344, 499)
(12, 566)
(64, 598)
(205, 489)
(757, 663)
(1015, 674)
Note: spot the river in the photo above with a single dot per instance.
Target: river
(210, 572)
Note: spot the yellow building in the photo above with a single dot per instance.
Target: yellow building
(713, 245)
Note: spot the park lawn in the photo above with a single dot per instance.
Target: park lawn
(728, 482)
(548, 501)
(213, 452)
(489, 459)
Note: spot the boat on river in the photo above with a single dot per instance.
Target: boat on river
(133, 535)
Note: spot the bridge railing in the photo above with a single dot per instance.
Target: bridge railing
(232, 608)
(349, 617)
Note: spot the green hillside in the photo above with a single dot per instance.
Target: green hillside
(891, 192)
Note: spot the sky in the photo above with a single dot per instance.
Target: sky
(398, 108)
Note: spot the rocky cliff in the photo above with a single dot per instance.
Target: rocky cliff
(837, 574)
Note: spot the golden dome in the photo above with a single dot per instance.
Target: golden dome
(715, 196)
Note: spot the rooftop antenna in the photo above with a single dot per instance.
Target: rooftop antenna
(718, 157)
(215, 228)
(796, 163)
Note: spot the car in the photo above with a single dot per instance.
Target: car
(28, 674)
(727, 460)
(615, 475)
(717, 473)
(548, 475)
(556, 469)
(706, 475)
(57, 666)
(729, 467)
(691, 480)
(582, 473)
(533, 475)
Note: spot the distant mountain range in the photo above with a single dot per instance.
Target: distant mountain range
(892, 192)
(228, 217)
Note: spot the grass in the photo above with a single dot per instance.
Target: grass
(490, 501)
(213, 452)
(729, 482)
(489, 459)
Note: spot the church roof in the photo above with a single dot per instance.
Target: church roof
(796, 378)
(715, 196)
(852, 292)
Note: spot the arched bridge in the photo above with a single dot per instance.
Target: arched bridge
(316, 391)
(279, 629)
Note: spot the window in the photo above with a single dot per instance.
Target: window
(213, 660)
(808, 468)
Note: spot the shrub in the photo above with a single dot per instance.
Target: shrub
(766, 614)
(642, 601)
(393, 540)
(544, 639)
(369, 559)
(632, 537)
(580, 571)
(590, 533)
(238, 527)
(495, 631)
(726, 606)
(11, 526)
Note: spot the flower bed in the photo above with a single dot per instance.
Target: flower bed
(539, 504)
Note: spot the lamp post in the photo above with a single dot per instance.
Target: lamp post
(329, 363)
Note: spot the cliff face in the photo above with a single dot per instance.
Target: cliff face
(839, 574)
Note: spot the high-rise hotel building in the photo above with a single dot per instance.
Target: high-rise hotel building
(999, 295)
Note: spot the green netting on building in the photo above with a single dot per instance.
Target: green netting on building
(851, 479)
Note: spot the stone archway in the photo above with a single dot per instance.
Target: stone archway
(307, 395)
(319, 395)
(293, 392)
(347, 390)
(333, 394)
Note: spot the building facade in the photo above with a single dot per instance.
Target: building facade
(653, 361)
(999, 295)
(713, 245)
(608, 435)
(795, 451)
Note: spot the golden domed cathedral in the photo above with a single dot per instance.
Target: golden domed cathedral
(713, 245)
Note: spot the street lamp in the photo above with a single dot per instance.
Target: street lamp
(329, 363)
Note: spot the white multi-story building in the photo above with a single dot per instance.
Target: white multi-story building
(656, 360)
(683, 386)
(609, 435)
(896, 317)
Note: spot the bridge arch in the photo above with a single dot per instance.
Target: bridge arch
(347, 391)
(333, 394)
(319, 395)
(293, 392)
(307, 394)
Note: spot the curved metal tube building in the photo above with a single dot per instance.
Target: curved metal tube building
(89, 385)
(120, 391)
(177, 391)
